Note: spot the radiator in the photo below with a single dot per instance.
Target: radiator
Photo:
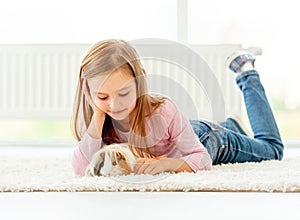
(39, 81)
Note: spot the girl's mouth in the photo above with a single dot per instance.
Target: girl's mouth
(117, 112)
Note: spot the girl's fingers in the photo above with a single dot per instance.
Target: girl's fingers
(155, 171)
(143, 166)
(98, 115)
(88, 97)
(138, 165)
(149, 169)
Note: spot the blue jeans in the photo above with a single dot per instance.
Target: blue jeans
(225, 144)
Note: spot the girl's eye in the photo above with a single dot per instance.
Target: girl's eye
(123, 94)
(102, 98)
(114, 163)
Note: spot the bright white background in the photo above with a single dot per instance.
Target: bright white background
(272, 25)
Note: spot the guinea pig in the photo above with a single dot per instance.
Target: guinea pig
(112, 160)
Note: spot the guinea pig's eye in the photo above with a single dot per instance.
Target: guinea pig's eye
(120, 157)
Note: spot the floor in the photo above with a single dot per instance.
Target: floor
(143, 205)
(132, 205)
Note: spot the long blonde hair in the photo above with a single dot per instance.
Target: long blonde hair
(102, 58)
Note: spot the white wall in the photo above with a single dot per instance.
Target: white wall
(271, 25)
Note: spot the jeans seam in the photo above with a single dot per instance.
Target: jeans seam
(252, 154)
(223, 146)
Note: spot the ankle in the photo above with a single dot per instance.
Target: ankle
(247, 66)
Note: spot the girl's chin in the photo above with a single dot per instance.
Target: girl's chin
(119, 117)
(122, 123)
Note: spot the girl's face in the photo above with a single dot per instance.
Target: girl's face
(115, 94)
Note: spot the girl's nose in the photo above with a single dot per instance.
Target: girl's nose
(111, 104)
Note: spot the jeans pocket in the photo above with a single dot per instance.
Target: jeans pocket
(201, 129)
(215, 141)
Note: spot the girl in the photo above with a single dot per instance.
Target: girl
(112, 105)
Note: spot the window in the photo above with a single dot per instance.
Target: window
(270, 25)
(87, 21)
(57, 21)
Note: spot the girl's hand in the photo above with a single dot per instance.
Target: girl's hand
(88, 97)
(161, 164)
(153, 165)
(97, 121)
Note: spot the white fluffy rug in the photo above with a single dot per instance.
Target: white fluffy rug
(52, 172)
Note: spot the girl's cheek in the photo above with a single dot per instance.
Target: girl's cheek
(131, 99)
(100, 104)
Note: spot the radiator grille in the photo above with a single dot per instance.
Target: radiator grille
(39, 81)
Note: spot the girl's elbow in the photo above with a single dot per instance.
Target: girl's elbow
(77, 166)
(208, 167)
(77, 169)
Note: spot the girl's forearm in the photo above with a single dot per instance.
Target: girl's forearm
(96, 126)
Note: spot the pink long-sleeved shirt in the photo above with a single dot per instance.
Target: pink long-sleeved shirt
(167, 129)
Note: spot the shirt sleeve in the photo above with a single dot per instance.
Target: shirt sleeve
(83, 153)
(187, 142)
